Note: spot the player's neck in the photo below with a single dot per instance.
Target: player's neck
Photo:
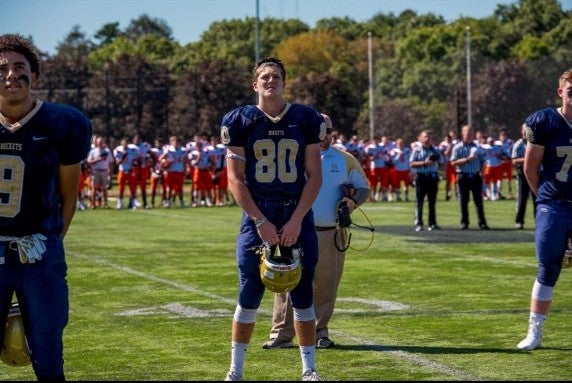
(566, 113)
(15, 111)
(272, 107)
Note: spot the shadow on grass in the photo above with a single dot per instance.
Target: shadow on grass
(455, 235)
(425, 349)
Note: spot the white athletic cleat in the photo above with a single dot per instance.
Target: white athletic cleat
(231, 377)
(310, 376)
(533, 339)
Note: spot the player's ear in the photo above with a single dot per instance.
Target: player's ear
(34, 80)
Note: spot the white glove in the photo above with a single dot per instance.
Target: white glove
(31, 248)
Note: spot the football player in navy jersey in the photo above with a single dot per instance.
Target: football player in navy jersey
(274, 173)
(548, 169)
(41, 147)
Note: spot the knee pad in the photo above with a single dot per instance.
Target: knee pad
(304, 315)
(242, 315)
(548, 273)
(541, 292)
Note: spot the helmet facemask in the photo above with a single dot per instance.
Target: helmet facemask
(280, 267)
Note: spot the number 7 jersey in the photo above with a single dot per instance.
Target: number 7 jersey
(549, 129)
(274, 147)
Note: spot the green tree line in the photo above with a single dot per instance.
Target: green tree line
(140, 80)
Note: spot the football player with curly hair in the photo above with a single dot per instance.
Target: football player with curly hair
(41, 147)
(548, 169)
(274, 173)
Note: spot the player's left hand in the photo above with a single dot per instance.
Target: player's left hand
(289, 233)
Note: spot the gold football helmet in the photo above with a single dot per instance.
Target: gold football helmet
(15, 350)
(280, 267)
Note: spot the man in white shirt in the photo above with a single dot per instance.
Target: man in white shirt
(100, 159)
(340, 169)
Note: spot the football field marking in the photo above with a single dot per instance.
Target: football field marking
(477, 258)
(416, 359)
(423, 362)
(176, 310)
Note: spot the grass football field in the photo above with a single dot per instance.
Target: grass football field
(152, 294)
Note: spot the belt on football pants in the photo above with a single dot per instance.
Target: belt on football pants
(325, 228)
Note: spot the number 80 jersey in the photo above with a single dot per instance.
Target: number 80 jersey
(274, 147)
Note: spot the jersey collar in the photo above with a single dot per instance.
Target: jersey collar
(279, 117)
(18, 124)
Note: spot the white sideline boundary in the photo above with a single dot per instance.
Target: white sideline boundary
(418, 360)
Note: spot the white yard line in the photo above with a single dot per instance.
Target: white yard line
(423, 362)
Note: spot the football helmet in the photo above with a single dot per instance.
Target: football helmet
(280, 267)
(15, 351)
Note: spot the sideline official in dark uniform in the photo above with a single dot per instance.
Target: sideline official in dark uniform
(469, 161)
(524, 192)
(426, 159)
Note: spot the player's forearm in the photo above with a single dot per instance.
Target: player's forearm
(243, 197)
(532, 163)
(533, 179)
(68, 209)
(68, 181)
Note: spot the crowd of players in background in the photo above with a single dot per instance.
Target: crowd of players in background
(148, 176)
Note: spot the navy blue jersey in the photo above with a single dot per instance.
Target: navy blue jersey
(29, 161)
(274, 148)
(549, 129)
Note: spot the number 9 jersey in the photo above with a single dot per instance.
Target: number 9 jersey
(274, 147)
(30, 154)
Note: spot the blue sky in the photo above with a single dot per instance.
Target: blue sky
(49, 21)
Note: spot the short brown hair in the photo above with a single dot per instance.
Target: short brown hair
(271, 61)
(18, 44)
(566, 77)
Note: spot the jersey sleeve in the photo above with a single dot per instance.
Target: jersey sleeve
(534, 128)
(315, 130)
(75, 142)
(234, 126)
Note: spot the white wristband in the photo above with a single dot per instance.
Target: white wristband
(260, 221)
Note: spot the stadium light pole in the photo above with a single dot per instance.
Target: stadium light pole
(370, 66)
(256, 40)
(469, 98)
(257, 33)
